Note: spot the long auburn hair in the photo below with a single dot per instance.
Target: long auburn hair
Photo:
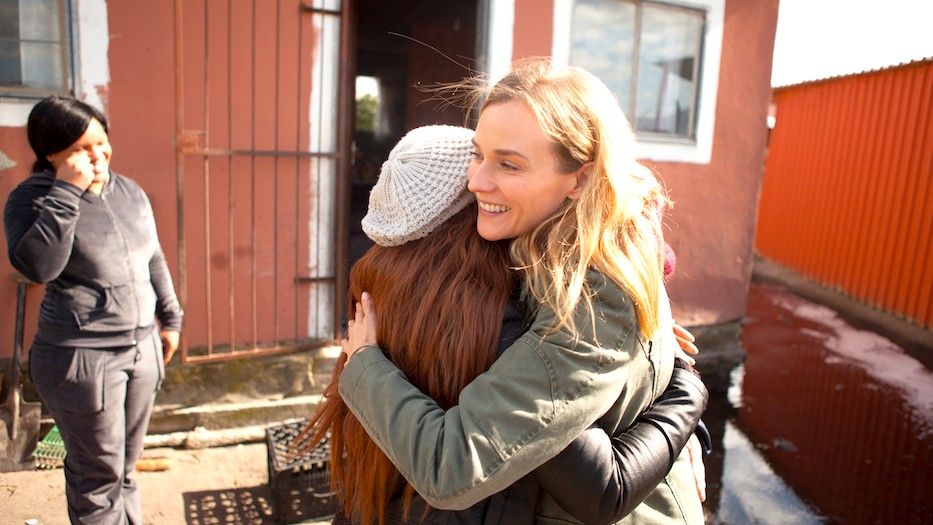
(440, 302)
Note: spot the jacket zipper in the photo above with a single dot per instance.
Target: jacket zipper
(129, 265)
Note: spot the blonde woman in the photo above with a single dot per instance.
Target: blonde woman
(554, 173)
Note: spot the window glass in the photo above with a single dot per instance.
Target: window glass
(38, 20)
(31, 52)
(9, 19)
(41, 65)
(648, 54)
(333, 5)
(10, 69)
(667, 66)
(603, 41)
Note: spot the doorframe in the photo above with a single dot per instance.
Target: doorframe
(187, 142)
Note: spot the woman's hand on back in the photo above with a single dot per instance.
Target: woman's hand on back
(695, 451)
(361, 330)
(685, 339)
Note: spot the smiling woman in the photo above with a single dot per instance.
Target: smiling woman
(109, 320)
(444, 293)
(87, 158)
(516, 177)
(554, 172)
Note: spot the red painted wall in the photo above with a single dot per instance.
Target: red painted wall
(141, 111)
(141, 107)
(712, 224)
(14, 145)
(534, 25)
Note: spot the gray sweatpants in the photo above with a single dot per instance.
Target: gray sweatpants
(101, 401)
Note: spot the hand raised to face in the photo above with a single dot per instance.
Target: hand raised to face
(76, 169)
(86, 163)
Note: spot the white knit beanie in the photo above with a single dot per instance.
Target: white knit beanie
(423, 184)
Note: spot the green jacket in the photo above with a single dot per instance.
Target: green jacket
(535, 399)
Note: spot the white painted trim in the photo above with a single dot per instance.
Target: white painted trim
(320, 175)
(91, 42)
(14, 112)
(560, 43)
(701, 151)
(500, 39)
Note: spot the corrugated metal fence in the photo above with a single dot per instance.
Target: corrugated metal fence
(847, 197)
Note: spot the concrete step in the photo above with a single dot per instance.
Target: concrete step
(168, 419)
(233, 402)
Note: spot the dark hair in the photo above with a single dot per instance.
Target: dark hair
(55, 123)
(440, 301)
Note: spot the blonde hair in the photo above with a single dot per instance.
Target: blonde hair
(613, 227)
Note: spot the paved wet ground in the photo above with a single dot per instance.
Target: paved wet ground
(821, 423)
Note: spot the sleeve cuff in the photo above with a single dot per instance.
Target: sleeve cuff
(66, 191)
(368, 358)
(172, 326)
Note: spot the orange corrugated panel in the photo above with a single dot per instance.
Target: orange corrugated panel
(920, 303)
(892, 285)
(847, 196)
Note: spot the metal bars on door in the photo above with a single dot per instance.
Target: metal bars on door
(259, 155)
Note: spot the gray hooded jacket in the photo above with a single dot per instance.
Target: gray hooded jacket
(99, 256)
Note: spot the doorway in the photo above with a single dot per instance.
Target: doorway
(399, 51)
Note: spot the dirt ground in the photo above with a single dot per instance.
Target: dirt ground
(225, 485)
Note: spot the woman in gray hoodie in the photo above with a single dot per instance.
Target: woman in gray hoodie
(109, 320)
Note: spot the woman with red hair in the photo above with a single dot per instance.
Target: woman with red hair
(451, 310)
(555, 174)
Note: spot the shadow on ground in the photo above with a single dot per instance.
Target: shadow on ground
(240, 506)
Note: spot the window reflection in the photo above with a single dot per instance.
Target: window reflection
(603, 42)
(667, 68)
(32, 52)
(615, 39)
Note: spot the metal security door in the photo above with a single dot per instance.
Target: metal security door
(260, 163)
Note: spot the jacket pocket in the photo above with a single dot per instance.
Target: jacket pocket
(101, 310)
(70, 379)
(77, 303)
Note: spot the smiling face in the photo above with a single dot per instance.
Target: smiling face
(515, 172)
(96, 145)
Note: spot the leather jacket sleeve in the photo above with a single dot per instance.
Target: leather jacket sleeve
(600, 479)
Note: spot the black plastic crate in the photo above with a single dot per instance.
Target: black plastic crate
(300, 487)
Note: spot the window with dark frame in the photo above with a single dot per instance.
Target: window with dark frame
(649, 55)
(34, 47)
